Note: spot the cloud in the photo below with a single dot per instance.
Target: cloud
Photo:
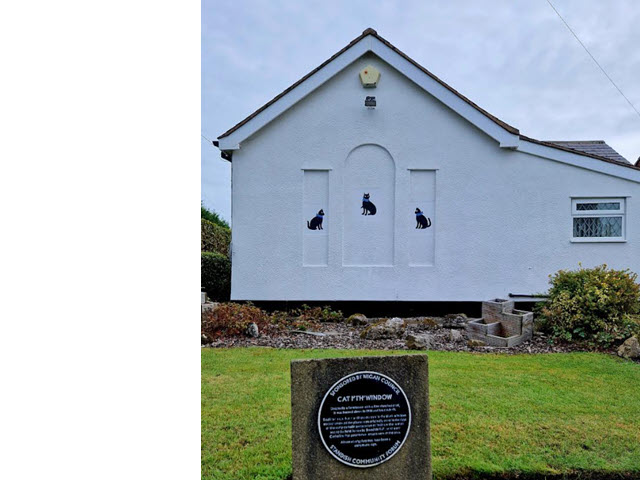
(516, 59)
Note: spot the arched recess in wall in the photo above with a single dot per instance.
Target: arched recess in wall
(368, 235)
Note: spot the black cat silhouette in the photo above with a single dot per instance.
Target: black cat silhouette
(316, 222)
(368, 208)
(421, 220)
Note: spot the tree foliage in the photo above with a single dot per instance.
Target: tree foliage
(213, 216)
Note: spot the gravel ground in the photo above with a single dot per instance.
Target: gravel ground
(343, 336)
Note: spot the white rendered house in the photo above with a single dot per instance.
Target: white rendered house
(459, 205)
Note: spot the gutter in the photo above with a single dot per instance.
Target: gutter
(226, 155)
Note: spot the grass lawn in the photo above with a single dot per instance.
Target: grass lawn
(491, 415)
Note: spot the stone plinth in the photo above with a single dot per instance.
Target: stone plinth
(311, 382)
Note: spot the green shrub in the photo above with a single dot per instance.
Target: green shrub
(215, 276)
(318, 314)
(305, 317)
(213, 217)
(596, 306)
(214, 238)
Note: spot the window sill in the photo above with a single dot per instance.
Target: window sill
(598, 240)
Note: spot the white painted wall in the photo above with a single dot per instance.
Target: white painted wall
(501, 219)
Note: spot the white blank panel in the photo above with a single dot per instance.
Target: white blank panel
(315, 249)
(368, 240)
(422, 195)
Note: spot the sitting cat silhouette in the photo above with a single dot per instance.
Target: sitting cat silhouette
(316, 222)
(421, 220)
(368, 208)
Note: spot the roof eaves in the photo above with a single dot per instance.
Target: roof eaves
(595, 147)
(578, 152)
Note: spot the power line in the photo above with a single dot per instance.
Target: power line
(223, 155)
(593, 58)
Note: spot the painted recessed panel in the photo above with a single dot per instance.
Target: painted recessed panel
(420, 217)
(369, 207)
(315, 221)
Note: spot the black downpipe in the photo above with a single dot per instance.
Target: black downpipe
(525, 295)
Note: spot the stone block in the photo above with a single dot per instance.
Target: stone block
(419, 341)
(476, 327)
(494, 329)
(511, 324)
(312, 382)
(495, 341)
(492, 310)
(630, 348)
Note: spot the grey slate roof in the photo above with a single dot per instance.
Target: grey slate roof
(594, 147)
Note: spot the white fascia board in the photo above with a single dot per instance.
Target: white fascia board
(446, 96)
(232, 141)
(580, 161)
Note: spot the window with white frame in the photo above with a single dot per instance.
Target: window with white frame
(598, 219)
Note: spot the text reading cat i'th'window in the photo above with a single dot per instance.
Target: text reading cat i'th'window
(598, 219)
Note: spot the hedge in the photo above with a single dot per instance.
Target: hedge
(215, 276)
(214, 238)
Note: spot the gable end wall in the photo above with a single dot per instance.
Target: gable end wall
(501, 218)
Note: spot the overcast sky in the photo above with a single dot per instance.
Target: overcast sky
(516, 59)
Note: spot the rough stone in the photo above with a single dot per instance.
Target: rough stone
(357, 319)
(630, 348)
(307, 332)
(252, 330)
(457, 320)
(209, 306)
(476, 343)
(423, 322)
(332, 333)
(456, 336)
(392, 328)
(310, 381)
(395, 322)
(419, 341)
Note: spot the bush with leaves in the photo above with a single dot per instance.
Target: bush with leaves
(306, 317)
(232, 319)
(596, 306)
(215, 276)
(213, 217)
(214, 238)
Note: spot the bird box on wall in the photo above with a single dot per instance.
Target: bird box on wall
(369, 76)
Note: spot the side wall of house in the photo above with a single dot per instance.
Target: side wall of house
(500, 220)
